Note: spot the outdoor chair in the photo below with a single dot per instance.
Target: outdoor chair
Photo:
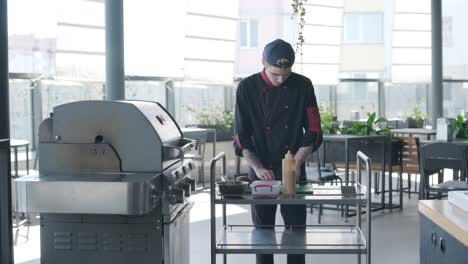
(394, 156)
(319, 174)
(410, 161)
(434, 158)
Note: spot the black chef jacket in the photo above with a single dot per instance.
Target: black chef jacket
(271, 120)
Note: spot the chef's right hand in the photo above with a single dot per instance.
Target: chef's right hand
(265, 174)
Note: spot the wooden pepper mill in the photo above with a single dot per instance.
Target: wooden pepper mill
(289, 174)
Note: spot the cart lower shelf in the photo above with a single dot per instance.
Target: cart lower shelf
(309, 240)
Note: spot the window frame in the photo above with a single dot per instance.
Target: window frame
(248, 33)
(361, 39)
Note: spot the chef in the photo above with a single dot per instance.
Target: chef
(276, 112)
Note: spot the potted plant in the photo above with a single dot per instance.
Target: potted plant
(372, 126)
(216, 118)
(416, 118)
(459, 127)
(330, 125)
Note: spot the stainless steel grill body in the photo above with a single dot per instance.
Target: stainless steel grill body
(113, 185)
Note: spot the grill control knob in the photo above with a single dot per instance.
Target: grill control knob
(192, 183)
(176, 174)
(190, 165)
(179, 195)
(184, 170)
(187, 189)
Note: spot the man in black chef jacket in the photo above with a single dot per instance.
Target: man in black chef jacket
(276, 111)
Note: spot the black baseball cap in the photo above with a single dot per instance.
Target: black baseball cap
(279, 53)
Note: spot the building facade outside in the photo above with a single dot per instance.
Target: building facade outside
(362, 55)
(375, 54)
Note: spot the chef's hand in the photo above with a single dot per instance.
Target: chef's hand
(300, 157)
(298, 172)
(265, 174)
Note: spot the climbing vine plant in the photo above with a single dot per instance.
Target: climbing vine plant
(300, 12)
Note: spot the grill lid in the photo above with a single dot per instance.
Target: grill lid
(142, 133)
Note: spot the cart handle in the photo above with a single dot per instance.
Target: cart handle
(221, 155)
(362, 157)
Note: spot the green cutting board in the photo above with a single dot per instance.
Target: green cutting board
(300, 189)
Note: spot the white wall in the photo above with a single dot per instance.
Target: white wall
(364, 6)
(362, 57)
(455, 53)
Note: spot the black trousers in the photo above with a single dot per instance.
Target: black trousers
(265, 215)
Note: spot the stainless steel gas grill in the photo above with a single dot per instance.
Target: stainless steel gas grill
(113, 185)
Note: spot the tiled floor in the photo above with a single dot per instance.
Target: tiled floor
(395, 236)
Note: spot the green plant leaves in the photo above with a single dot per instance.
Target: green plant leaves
(213, 116)
(328, 122)
(460, 127)
(369, 127)
(299, 10)
(416, 114)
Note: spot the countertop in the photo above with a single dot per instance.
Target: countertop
(449, 217)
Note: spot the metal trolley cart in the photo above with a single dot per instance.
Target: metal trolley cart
(309, 239)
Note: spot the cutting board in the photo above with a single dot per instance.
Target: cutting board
(300, 189)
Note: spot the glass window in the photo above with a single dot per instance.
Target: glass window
(351, 31)
(363, 28)
(146, 90)
(20, 109)
(152, 50)
(225, 8)
(447, 31)
(412, 21)
(372, 28)
(76, 38)
(61, 92)
(419, 6)
(248, 34)
(196, 104)
(356, 100)
(322, 35)
(454, 99)
(253, 33)
(243, 34)
(76, 66)
(208, 49)
(323, 15)
(401, 98)
(211, 27)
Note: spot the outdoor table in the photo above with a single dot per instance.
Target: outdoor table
(415, 131)
(199, 133)
(459, 142)
(15, 144)
(347, 140)
(201, 136)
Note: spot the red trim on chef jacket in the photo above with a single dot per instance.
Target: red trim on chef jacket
(239, 145)
(265, 78)
(312, 117)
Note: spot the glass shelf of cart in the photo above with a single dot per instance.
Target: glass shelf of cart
(354, 193)
(319, 239)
